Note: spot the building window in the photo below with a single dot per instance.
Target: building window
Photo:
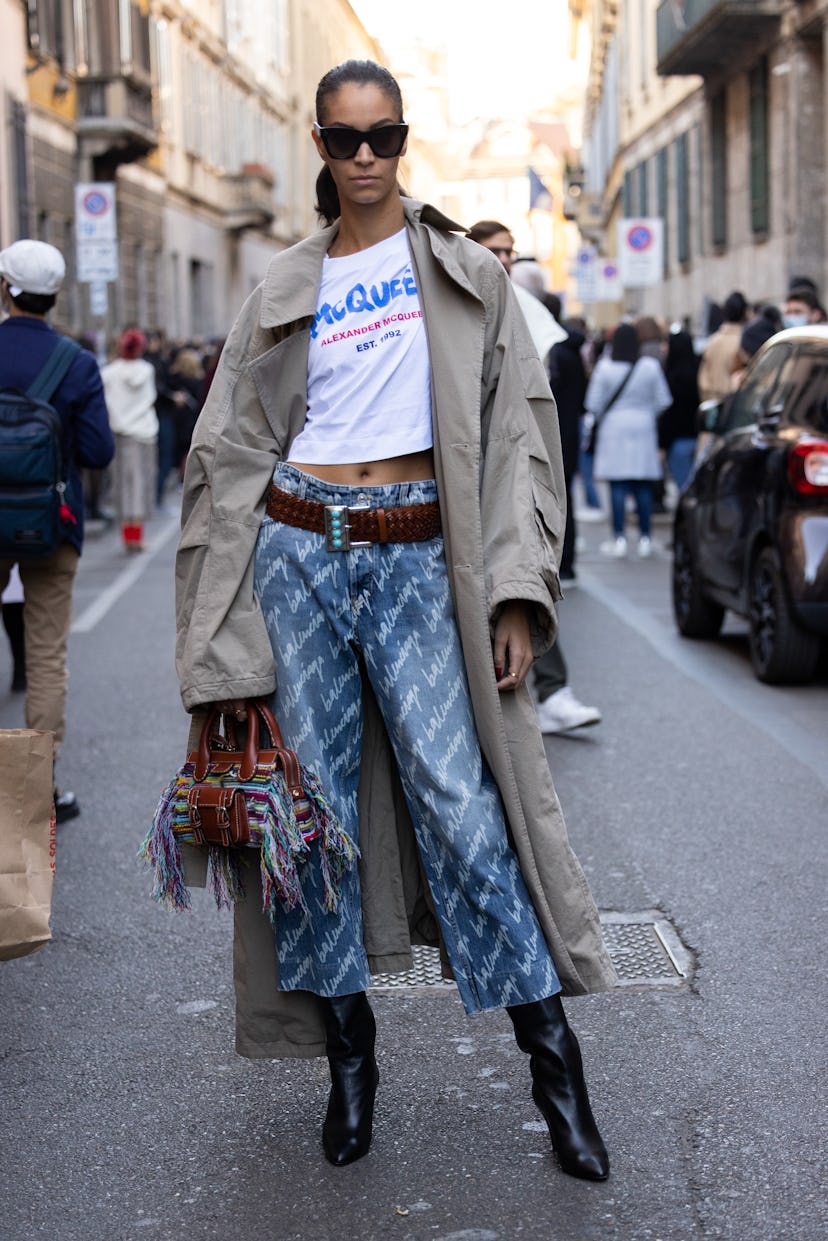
(643, 190)
(662, 204)
(718, 169)
(759, 161)
(682, 201)
(698, 177)
(627, 195)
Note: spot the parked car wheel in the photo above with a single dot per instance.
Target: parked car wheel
(696, 616)
(782, 652)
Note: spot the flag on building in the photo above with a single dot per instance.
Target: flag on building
(539, 197)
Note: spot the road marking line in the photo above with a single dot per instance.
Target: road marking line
(127, 578)
(707, 665)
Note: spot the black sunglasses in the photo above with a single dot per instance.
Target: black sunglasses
(342, 142)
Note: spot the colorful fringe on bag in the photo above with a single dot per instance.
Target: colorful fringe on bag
(283, 829)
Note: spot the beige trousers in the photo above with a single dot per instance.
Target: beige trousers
(47, 615)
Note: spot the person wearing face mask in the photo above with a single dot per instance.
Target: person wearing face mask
(802, 308)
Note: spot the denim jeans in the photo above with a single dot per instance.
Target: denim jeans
(642, 492)
(388, 607)
(680, 456)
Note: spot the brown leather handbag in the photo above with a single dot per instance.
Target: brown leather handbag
(229, 798)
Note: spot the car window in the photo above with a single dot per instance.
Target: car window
(807, 402)
(756, 390)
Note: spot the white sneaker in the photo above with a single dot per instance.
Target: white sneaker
(562, 711)
(616, 547)
(645, 547)
(589, 514)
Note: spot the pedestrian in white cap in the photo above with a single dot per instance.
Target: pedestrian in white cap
(31, 274)
(32, 267)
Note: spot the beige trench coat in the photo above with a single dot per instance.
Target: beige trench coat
(500, 483)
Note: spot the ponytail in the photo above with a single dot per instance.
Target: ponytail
(327, 197)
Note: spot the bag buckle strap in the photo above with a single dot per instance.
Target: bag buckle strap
(338, 527)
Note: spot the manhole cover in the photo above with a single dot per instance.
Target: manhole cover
(644, 948)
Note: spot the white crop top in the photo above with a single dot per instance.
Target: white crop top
(369, 377)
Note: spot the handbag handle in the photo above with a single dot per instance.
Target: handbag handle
(254, 710)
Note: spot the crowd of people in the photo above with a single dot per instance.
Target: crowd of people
(628, 402)
(154, 394)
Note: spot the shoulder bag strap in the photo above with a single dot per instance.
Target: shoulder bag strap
(55, 370)
(616, 394)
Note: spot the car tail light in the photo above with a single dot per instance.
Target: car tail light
(808, 467)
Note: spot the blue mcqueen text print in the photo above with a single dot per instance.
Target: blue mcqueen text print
(362, 300)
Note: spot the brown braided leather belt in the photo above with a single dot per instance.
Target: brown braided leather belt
(345, 527)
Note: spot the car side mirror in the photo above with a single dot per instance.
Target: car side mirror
(708, 415)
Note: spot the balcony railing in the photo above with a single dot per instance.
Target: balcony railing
(706, 36)
(115, 117)
(248, 198)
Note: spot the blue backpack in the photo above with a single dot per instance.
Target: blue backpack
(33, 508)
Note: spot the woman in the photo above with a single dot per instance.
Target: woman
(626, 393)
(382, 366)
(184, 389)
(129, 387)
(677, 428)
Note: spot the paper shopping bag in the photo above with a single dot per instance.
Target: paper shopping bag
(27, 840)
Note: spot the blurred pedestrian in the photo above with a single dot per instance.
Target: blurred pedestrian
(558, 708)
(361, 410)
(185, 384)
(157, 354)
(568, 381)
(677, 427)
(31, 273)
(129, 384)
(720, 357)
(802, 308)
(626, 394)
(12, 609)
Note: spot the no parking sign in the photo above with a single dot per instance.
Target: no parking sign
(641, 252)
(96, 231)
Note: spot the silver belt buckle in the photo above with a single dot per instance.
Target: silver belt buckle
(338, 527)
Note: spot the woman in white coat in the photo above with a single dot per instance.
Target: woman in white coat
(129, 386)
(626, 394)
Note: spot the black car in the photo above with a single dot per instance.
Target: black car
(751, 526)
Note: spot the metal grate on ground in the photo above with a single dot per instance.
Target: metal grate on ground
(644, 948)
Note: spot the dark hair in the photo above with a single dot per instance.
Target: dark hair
(648, 329)
(553, 304)
(680, 350)
(484, 229)
(34, 303)
(625, 343)
(802, 282)
(805, 295)
(360, 73)
(735, 308)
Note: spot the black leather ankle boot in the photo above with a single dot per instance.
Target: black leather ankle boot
(558, 1087)
(350, 1036)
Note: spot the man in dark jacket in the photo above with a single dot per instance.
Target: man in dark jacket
(568, 381)
(31, 273)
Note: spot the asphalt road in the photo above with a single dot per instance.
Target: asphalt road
(126, 1115)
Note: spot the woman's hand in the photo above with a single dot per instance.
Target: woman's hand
(512, 645)
(233, 706)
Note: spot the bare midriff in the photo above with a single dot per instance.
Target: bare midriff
(413, 467)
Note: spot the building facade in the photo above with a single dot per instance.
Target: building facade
(709, 114)
(198, 111)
